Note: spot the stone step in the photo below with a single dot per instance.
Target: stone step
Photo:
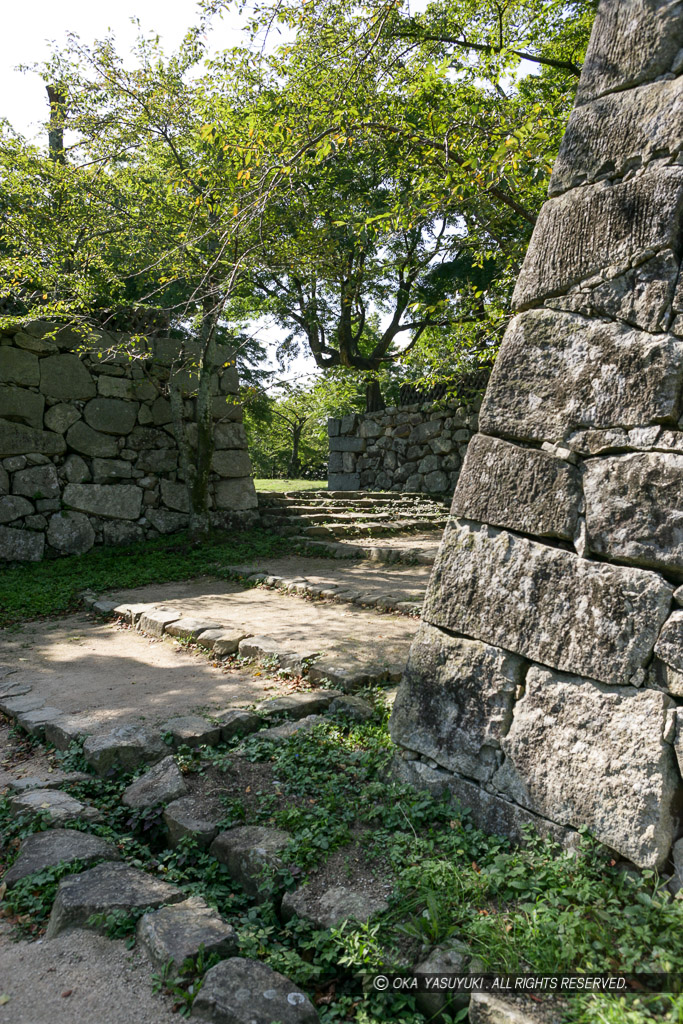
(56, 846)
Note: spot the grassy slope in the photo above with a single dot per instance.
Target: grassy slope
(290, 485)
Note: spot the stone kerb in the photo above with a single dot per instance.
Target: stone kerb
(546, 682)
(413, 448)
(87, 450)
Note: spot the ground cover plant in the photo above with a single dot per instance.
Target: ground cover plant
(537, 908)
(52, 587)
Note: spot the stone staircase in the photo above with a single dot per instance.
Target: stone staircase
(331, 515)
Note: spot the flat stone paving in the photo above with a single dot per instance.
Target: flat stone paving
(115, 675)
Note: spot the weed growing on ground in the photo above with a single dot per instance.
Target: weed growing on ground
(537, 908)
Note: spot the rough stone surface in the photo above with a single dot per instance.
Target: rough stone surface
(239, 991)
(178, 932)
(628, 220)
(237, 722)
(330, 908)
(558, 373)
(36, 482)
(18, 367)
(111, 415)
(298, 705)
(127, 747)
(190, 629)
(192, 731)
(22, 406)
(236, 494)
(489, 811)
(567, 732)
(159, 785)
(58, 807)
(34, 722)
(354, 708)
(65, 377)
(118, 501)
(489, 1008)
(633, 509)
(155, 620)
(16, 439)
(13, 507)
(455, 702)
(518, 488)
(548, 605)
(612, 60)
(56, 846)
(102, 889)
(449, 959)
(221, 641)
(21, 545)
(281, 733)
(248, 852)
(60, 417)
(189, 816)
(669, 646)
(71, 533)
(612, 134)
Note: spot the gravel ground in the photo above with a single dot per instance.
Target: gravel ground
(78, 978)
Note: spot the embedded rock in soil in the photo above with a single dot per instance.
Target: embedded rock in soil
(240, 991)
(179, 931)
(237, 722)
(190, 817)
(192, 731)
(333, 906)
(127, 747)
(58, 807)
(103, 889)
(298, 705)
(56, 846)
(248, 852)
(158, 785)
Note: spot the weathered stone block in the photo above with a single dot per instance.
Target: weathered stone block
(103, 889)
(520, 489)
(177, 933)
(612, 134)
(640, 296)
(221, 641)
(248, 851)
(188, 628)
(236, 495)
(111, 415)
(22, 406)
(60, 417)
(18, 367)
(599, 226)
(13, 507)
(59, 808)
(83, 438)
(117, 501)
(16, 439)
(557, 373)
(174, 495)
(633, 509)
(128, 390)
(155, 620)
(71, 533)
(548, 605)
(240, 991)
(190, 816)
(192, 731)
(343, 481)
(159, 785)
(36, 482)
(65, 377)
(106, 470)
(455, 701)
(127, 747)
(669, 646)
(613, 60)
(583, 754)
(47, 849)
(21, 545)
(237, 722)
(165, 521)
(328, 909)
(231, 462)
(347, 444)
(227, 435)
(163, 460)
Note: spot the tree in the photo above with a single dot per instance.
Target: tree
(155, 205)
(288, 430)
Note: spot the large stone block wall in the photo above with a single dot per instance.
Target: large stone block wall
(545, 685)
(414, 448)
(87, 451)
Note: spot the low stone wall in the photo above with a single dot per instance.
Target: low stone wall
(416, 448)
(87, 450)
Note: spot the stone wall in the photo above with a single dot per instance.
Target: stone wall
(87, 451)
(416, 448)
(546, 682)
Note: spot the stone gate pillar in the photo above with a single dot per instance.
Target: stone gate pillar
(546, 682)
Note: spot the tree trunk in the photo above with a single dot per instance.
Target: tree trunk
(374, 402)
(294, 466)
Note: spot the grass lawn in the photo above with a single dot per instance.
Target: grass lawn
(50, 587)
(290, 485)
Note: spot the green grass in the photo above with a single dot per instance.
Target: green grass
(50, 587)
(290, 485)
